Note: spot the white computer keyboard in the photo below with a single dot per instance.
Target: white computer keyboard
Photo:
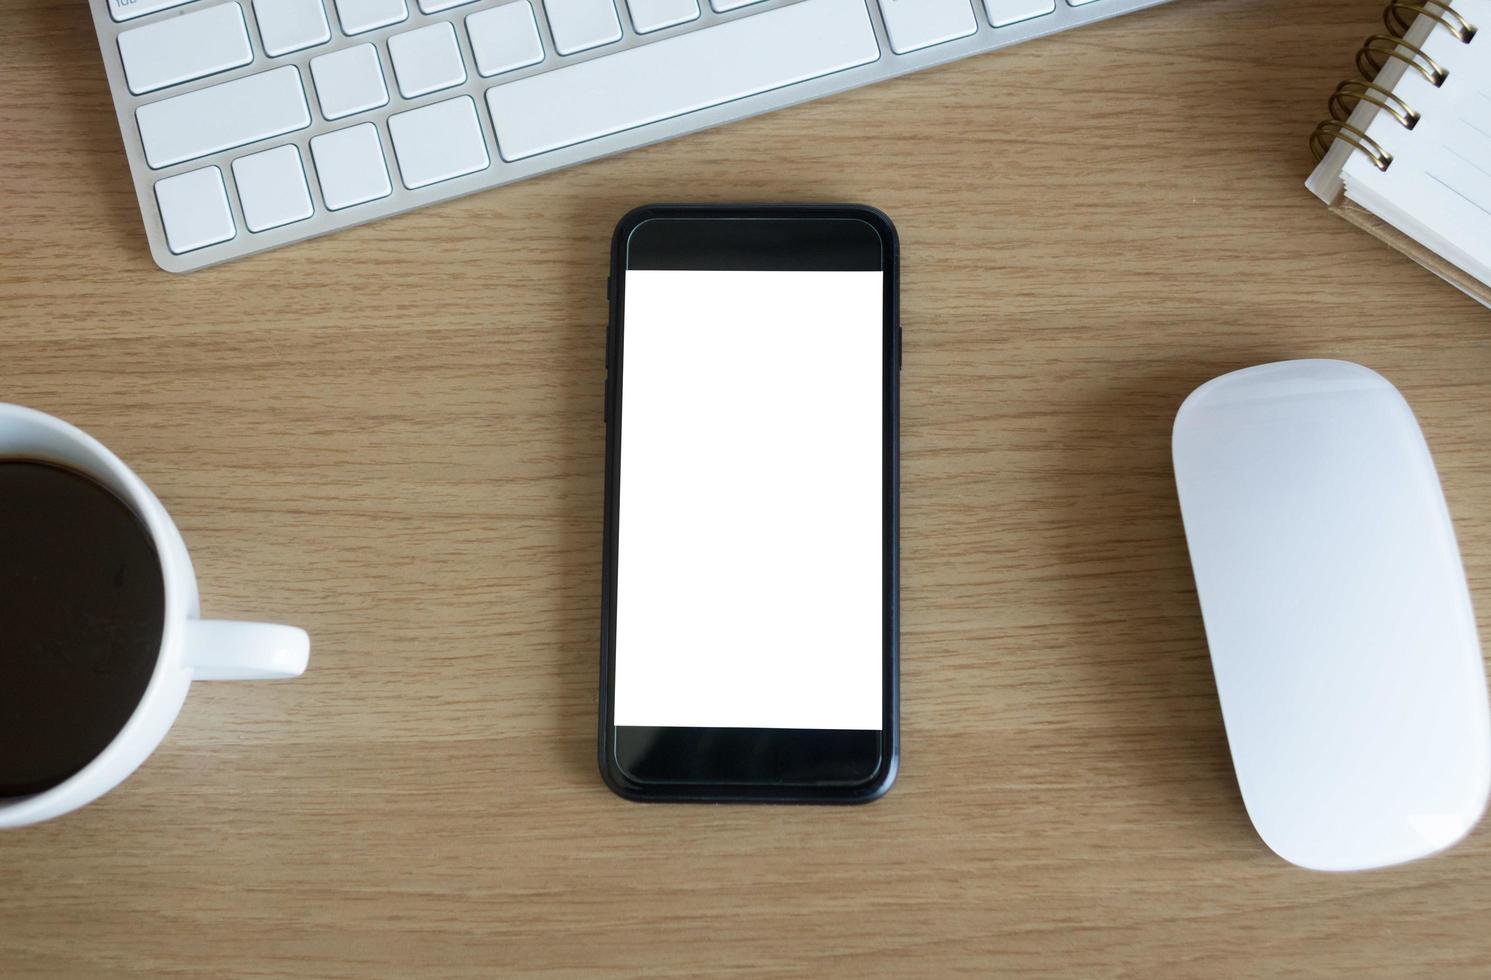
(251, 124)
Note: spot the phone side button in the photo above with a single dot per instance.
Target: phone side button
(610, 318)
(606, 410)
(898, 348)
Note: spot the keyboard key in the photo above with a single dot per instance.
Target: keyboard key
(349, 81)
(438, 142)
(194, 210)
(504, 38)
(361, 16)
(245, 110)
(578, 25)
(272, 188)
(130, 9)
(168, 52)
(426, 60)
(654, 15)
(680, 74)
(916, 24)
(435, 6)
(1003, 13)
(720, 6)
(350, 166)
(291, 25)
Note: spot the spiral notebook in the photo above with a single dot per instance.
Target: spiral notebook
(1406, 154)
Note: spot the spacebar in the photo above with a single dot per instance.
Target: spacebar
(680, 74)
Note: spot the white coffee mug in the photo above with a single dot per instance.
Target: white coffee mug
(191, 648)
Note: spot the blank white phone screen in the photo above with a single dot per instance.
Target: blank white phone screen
(749, 549)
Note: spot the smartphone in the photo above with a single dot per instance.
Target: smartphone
(749, 591)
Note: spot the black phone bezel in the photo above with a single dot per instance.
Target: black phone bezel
(757, 765)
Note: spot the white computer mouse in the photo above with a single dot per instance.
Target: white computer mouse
(1337, 613)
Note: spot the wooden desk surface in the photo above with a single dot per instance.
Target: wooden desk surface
(393, 437)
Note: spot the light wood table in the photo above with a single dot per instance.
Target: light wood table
(393, 437)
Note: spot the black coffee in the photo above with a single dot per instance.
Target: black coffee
(82, 608)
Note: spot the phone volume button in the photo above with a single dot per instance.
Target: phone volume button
(606, 395)
(610, 320)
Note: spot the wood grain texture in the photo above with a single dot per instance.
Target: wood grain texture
(393, 437)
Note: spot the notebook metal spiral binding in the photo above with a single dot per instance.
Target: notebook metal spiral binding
(1349, 94)
(1373, 55)
(1371, 58)
(1398, 16)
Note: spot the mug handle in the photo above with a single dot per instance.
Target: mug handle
(227, 650)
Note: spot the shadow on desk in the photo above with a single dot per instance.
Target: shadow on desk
(1132, 602)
